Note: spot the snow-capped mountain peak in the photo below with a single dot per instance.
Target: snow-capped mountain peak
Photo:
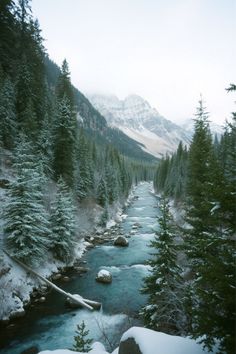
(143, 123)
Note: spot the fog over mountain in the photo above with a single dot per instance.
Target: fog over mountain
(143, 123)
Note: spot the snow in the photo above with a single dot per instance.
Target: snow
(116, 351)
(151, 342)
(97, 348)
(16, 284)
(138, 120)
(58, 351)
(110, 224)
(103, 273)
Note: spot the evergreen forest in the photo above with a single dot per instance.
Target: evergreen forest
(192, 285)
(64, 170)
(53, 142)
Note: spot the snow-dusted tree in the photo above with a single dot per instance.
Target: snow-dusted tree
(63, 224)
(8, 122)
(208, 242)
(26, 226)
(26, 116)
(65, 144)
(64, 87)
(82, 342)
(104, 217)
(85, 183)
(164, 310)
(111, 183)
(44, 146)
(102, 193)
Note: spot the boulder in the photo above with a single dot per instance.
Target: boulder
(65, 278)
(121, 241)
(17, 313)
(43, 289)
(81, 269)
(56, 276)
(88, 245)
(138, 340)
(98, 240)
(129, 346)
(104, 276)
(136, 225)
(42, 299)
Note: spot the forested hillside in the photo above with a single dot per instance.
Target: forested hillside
(201, 181)
(56, 149)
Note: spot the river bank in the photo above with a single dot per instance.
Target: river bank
(52, 325)
(18, 289)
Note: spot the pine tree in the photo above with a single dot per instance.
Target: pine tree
(111, 183)
(8, 38)
(44, 147)
(85, 183)
(102, 193)
(104, 217)
(64, 163)
(207, 243)
(199, 187)
(24, 99)
(161, 174)
(64, 87)
(164, 310)
(82, 344)
(63, 224)
(8, 123)
(26, 225)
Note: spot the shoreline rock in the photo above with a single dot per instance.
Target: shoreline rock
(121, 241)
(104, 276)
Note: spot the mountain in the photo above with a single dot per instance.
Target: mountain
(95, 125)
(138, 120)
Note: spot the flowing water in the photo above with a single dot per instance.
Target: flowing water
(51, 325)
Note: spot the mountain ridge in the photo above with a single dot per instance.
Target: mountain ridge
(94, 123)
(137, 119)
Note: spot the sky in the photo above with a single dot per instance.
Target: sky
(167, 51)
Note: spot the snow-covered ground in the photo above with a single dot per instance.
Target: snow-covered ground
(16, 284)
(148, 342)
(152, 342)
(97, 348)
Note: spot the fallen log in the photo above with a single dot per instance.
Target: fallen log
(89, 304)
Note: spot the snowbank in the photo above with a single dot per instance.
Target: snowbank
(16, 284)
(152, 342)
(146, 341)
(97, 348)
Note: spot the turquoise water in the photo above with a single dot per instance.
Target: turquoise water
(51, 325)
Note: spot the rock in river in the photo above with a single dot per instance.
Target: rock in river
(121, 241)
(104, 276)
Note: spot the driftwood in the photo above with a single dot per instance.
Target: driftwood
(89, 304)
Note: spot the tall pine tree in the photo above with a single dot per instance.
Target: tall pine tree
(164, 310)
(62, 237)
(8, 122)
(26, 226)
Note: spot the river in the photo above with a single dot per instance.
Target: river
(51, 325)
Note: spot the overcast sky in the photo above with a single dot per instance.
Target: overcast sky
(167, 51)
